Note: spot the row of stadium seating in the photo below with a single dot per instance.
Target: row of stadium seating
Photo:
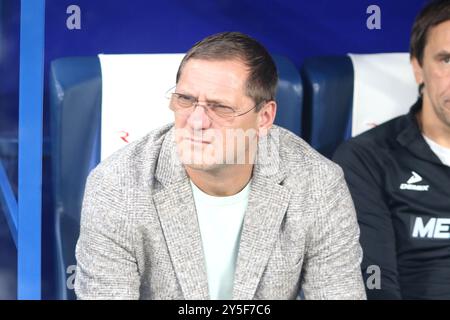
(93, 100)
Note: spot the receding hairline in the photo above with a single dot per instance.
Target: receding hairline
(215, 59)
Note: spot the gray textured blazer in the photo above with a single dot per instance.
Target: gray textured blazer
(140, 238)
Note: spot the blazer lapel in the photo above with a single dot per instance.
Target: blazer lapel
(176, 209)
(266, 208)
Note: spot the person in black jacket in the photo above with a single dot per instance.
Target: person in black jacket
(399, 177)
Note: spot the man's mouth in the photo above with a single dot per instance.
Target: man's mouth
(198, 141)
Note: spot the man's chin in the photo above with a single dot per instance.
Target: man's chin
(203, 166)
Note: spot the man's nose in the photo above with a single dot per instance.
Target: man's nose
(198, 119)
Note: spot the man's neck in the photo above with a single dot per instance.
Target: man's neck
(225, 181)
(433, 128)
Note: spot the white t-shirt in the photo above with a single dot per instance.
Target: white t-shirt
(220, 220)
(441, 152)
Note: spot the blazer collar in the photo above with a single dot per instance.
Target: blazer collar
(268, 201)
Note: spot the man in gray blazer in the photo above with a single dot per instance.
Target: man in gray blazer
(222, 204)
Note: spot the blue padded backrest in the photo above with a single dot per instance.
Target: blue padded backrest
(289, 96)
(75, 104)
(75, 107)
(328, 101)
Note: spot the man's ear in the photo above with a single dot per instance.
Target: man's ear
(266, 117)
(418, 72)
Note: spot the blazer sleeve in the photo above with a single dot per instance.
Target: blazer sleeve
(333, 253)
(106, 264)
(363, 176)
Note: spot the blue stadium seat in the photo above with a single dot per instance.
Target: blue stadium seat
(328, 101)
(75, 107)
(346, 95)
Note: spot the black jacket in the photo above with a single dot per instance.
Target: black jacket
(401, 192)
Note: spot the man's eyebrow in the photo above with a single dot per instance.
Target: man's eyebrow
(218, 101)
(184, 93)
(209, 100)
(442, 54)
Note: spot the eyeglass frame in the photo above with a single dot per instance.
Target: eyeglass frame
(170, 94)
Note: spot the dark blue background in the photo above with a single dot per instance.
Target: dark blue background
(296, 29)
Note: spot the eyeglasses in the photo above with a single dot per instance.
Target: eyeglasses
(184, 103)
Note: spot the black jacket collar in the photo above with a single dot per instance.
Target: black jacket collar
(411, 136)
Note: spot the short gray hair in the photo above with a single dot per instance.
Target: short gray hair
(263, 78)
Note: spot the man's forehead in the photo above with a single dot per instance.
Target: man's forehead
(440, 35)
(231, 74)
(217, 66)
